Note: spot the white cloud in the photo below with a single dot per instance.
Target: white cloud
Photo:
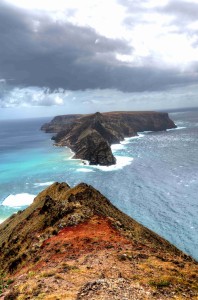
(37, 103)
(100, 100)
(31, 96)
(104, 16)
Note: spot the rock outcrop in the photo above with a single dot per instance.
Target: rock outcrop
(72, 243)
(90, 136)
(94, 148)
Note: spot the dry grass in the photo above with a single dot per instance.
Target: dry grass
(103, 246)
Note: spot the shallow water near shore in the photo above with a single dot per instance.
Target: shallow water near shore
(155, 180)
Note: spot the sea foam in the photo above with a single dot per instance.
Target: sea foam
(130, 139)
(126, 141)
(43, 183)
(121, 162)
(116, 147)
(178, 128)
(18, 200)
(85, 170)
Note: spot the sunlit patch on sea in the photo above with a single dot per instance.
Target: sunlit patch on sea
(155, 179)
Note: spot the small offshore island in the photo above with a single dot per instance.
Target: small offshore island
(90, 136)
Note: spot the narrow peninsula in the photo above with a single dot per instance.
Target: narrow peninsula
(90, 136)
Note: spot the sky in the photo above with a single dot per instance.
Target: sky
(72, 56)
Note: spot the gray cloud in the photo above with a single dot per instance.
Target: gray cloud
(134, 5)
(52, 54)
(184, 14)
(35, 51)
(178, 8)
(136, 11)
(181, 9)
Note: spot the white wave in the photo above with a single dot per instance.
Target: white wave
(2, 220)
(71, 157)
(72, 153)
(121, 162)
(129, 139)
(148, 131)
(43, 183)
(84, 170)
(115, 147)
(126, 141)
(178, 128)
(18, 200)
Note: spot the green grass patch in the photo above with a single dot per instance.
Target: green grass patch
(160, 283)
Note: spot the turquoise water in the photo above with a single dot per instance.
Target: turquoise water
(155, 180)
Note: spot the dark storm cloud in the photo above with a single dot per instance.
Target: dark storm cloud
(35, 51)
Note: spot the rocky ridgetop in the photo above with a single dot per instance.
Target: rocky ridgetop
(73, 243)
(90, 136)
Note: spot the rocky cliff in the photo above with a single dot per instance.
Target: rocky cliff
(72, 243)
(90, 136)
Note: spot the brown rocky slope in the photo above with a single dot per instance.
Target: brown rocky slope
(90, 136)
(72, 243)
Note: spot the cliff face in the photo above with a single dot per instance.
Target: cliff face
(72, 243)
(93, 148)
(90, 136)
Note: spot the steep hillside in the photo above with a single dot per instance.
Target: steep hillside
(72, 243)
(90, 136)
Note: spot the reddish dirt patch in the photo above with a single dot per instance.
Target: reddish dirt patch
(72, 242)
(95, 228)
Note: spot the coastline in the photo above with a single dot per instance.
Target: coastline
(121, 161)
(24, 199)
(52, 166)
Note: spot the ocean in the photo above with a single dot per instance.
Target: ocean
(155, 180)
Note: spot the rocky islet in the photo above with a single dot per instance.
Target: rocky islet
(90, 136)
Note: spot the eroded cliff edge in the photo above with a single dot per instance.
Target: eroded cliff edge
(74, 244)
(90, 136)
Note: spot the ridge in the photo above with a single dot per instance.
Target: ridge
(73, 243)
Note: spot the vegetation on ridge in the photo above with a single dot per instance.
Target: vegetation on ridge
(72, 243)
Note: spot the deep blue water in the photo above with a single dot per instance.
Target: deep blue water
(155, 181)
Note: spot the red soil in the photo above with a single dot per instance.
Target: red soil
(72, 242)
